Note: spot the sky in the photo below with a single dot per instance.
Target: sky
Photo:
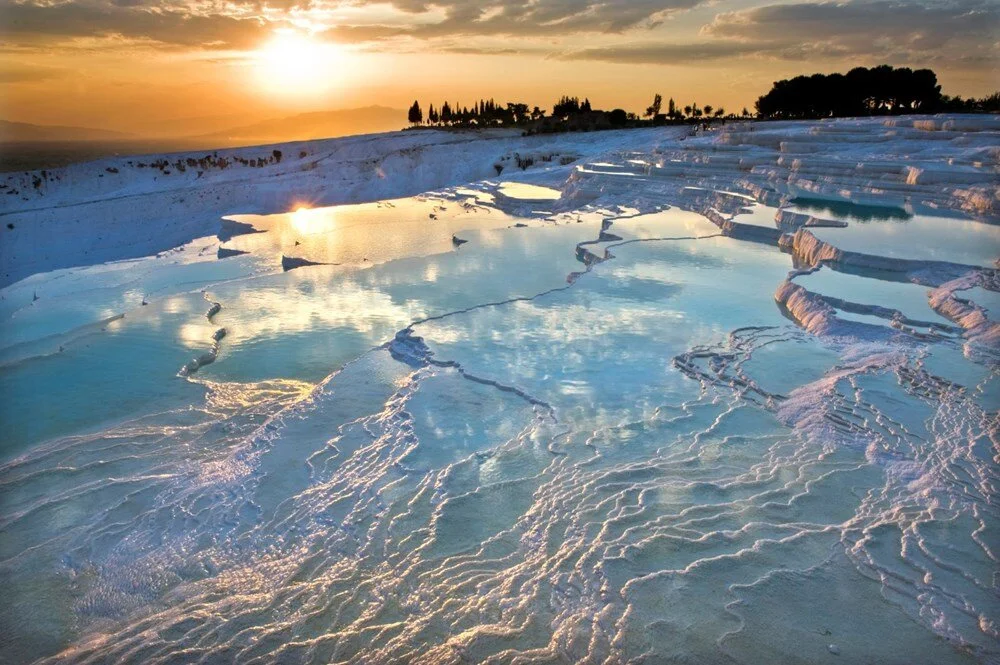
(178, 67)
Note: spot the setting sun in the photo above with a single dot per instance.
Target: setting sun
(302, 219)
(296, 64)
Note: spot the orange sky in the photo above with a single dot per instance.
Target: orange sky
(192, 66)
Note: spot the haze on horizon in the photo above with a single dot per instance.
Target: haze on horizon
(183, 67)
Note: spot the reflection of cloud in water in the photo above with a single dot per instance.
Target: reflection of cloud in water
(528, 192)
(367, 232)
(303, 305)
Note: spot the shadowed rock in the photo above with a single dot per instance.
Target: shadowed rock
(229, 229)
(225, 252)
(293, 262)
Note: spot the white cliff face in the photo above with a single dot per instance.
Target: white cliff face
(717, 398)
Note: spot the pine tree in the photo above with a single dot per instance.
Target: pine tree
(416, 116)
(565, 107)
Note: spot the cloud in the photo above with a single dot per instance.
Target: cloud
(180, 25)
(360, 34)
(901, 28)
(668, 54)
(237, 23)
(545, 17)
(914, 32)
(16, 72)
(899, 31)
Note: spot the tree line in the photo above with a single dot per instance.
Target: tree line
(882, 90)
(567, 114)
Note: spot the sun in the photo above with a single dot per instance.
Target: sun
(295, 64)
(302, 219)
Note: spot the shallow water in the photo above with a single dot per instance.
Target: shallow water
(919, 237)
(594, 437)
(911, 300)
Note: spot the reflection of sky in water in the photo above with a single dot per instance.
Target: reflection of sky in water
(759, 215)
(520, 190)
(847, 210)
(987, 299)
(574, 464)
(910, 299)
(921, 237)
(367, 232)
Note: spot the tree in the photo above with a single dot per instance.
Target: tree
(565, 107)
(671, 109)
(719, 112)
(653, 109)
(517, 113)
(617, 117)
(687, 110)
(861, 91)
(416, 116)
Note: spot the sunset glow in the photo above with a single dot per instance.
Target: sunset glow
(303, 219)
(294, 64)
(193, 67)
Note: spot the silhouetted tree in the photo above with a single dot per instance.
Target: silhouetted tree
(416, 116)
(876, 91)
(653, 109)
(517, 113)
(565, 107)
(988, 104)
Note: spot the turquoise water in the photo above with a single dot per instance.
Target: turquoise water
(920, 237)
(592, 438)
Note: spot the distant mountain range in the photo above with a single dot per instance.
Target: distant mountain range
(320, 124)
(304, 126)
(24, 131)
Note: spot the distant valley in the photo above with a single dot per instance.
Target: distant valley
(27, 146)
